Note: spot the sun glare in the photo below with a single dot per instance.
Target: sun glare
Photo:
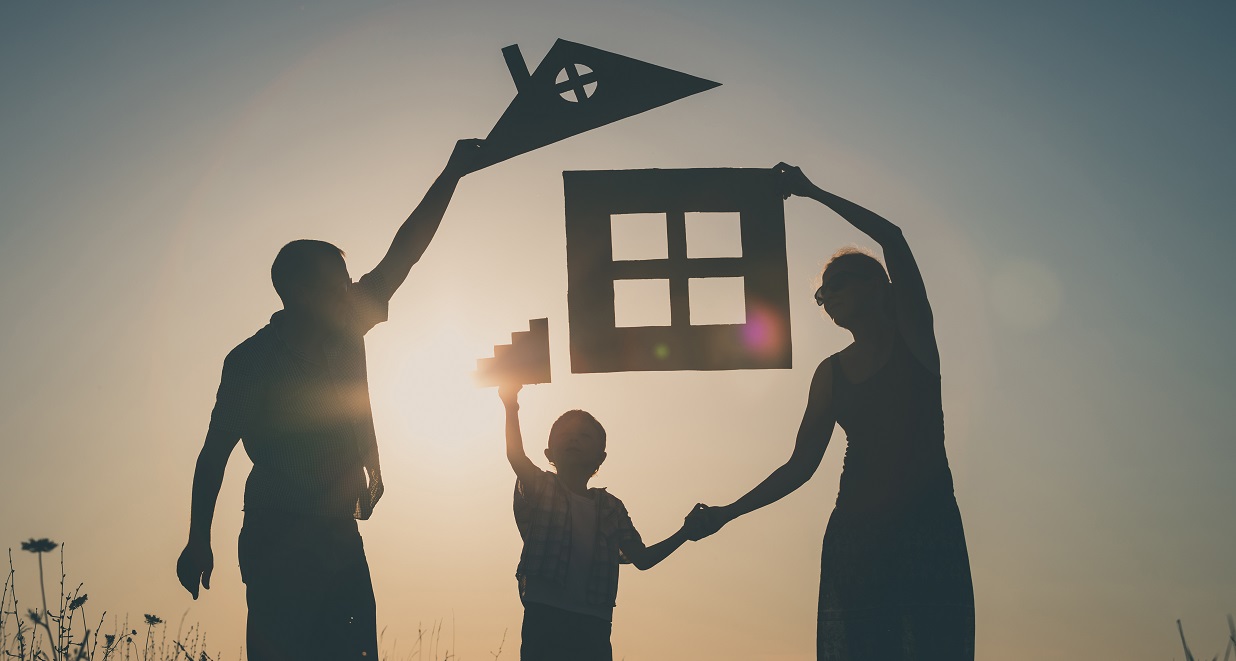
(432, 395)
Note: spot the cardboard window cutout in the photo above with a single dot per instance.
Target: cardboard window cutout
(578, 88)
(524, 361)
(599, 345)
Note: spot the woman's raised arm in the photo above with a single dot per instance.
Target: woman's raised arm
(814, 432)
(914, 317)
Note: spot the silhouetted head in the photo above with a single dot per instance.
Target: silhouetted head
(312, 278)
(854, 288)
(576, 443)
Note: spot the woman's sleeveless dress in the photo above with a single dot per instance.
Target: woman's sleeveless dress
(894, 574)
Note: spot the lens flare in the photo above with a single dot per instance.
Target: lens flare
(761, 332)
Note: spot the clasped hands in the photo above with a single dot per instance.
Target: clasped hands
(704, 521)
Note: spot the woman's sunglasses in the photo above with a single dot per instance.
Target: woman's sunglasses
(835, 281)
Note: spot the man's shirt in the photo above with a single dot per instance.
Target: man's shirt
(305, 420)
(543, 515)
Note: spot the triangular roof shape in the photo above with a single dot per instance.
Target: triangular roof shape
(578, 88)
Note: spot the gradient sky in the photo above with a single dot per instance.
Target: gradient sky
(1063, 172)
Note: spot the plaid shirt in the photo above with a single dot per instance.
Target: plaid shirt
(305, 421)
(543, 516)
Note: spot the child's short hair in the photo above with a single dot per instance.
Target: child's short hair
(575, 415)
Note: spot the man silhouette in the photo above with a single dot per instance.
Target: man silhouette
(297, 395)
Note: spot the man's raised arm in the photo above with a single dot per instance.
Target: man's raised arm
(417, 231)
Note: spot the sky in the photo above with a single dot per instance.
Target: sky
(1062, 171)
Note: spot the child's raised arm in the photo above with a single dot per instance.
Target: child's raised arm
(525, 470)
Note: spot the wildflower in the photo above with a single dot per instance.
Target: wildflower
(44, 545)
(110, 639)
(77, 603)
(152, 620)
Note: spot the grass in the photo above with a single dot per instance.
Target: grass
(1229, 648)
(429, 642)
(63, 633)
(62, 630)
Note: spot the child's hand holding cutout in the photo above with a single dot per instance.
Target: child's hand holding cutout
(509, 394)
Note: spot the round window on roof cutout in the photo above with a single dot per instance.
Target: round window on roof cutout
(575, 83)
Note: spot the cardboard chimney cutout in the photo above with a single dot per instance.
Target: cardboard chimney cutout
(524, 361)
(578, 88)
(595, 200)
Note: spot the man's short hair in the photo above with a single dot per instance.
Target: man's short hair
(295, 263)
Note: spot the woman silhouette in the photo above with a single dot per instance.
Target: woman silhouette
(894, 573)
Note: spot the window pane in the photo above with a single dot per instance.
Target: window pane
(641, 303)
(713, 235)
(639, 236)
(717, 301)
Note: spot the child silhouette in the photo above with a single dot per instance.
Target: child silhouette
(574, 539)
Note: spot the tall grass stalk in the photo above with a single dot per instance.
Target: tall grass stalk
(1229, 645)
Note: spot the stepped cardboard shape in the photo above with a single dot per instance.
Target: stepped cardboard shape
(599, 345)
(525, 360)
(578, 88)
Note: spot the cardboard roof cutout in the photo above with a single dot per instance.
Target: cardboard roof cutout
(578, 88)
(599, 344)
